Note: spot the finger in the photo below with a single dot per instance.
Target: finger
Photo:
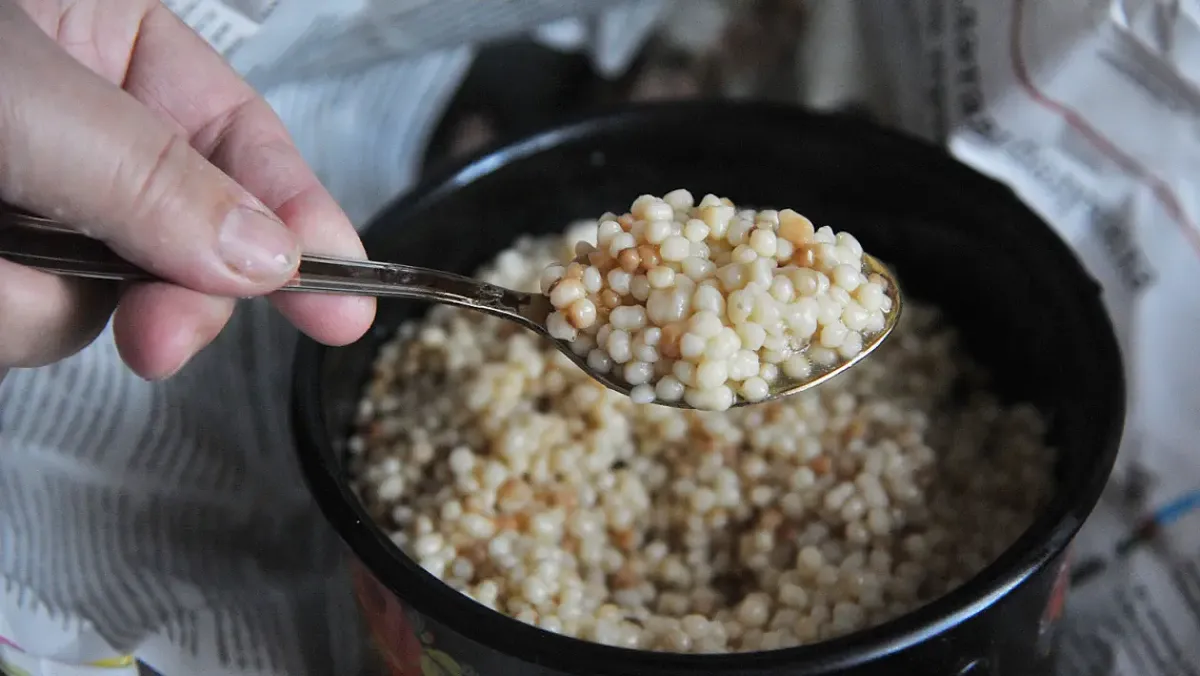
(175, 73)
(79, 149)
(256, 151)
(321, 225)
(159, 327)
(46, 317)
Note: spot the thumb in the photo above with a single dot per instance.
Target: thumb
(81, 150)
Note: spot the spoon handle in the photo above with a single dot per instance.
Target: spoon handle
(50, 246)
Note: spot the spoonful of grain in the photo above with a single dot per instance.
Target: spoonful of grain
(709, 307)
(682, 304)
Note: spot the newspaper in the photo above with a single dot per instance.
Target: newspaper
(1087, 108)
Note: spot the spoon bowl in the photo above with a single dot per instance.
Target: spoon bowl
(53, 247)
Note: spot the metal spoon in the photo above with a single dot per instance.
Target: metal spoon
(48, 245)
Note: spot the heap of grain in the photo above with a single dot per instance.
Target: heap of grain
(505, 471)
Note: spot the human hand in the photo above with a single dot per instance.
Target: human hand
(117, 117)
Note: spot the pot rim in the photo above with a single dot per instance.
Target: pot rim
(1046, 537)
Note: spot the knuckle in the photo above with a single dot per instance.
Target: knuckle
(154, 187)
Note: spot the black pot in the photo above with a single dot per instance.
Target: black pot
(1025, 306)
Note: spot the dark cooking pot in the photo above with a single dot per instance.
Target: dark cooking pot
(1025, 306)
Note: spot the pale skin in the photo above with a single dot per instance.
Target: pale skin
(116, 117)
